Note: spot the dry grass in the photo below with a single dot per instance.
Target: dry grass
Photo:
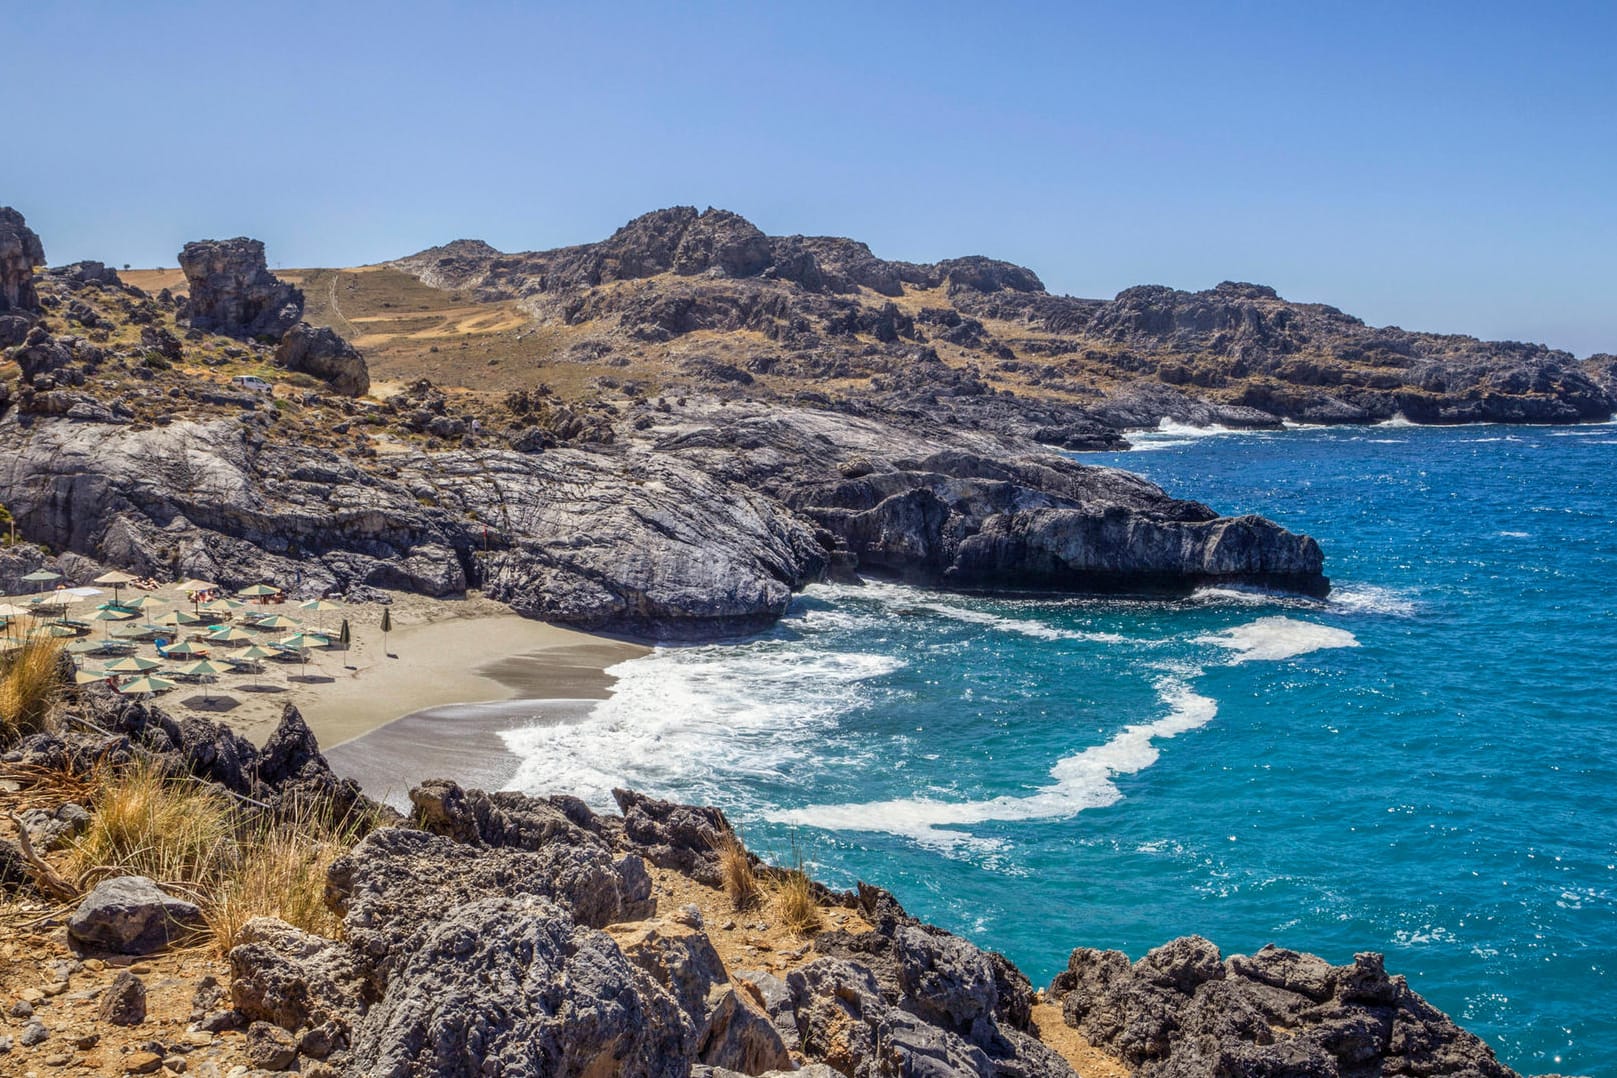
(740, 881)
(281, 873)
(193, 838)
(795, 906)
(175, 830)
(30, 688)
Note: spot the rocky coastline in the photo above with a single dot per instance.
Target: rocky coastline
(505, 934)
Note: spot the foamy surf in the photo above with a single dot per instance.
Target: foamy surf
(694, 721)
(1275, 638)
(1082, 781)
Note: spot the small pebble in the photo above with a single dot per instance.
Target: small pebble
(87, 1041)
(142, 1062)
(55, 988)
(31, 995)
(60, 1059)
(175, 1064)
(94, 964)
(21, 1009)
(33, 1033)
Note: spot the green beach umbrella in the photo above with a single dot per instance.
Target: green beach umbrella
(132, 665)
(180, 617)
(107, 616)
(82, 647)
(185, 648)
(42, 576)
(139, 685)
(87, 677)
(231, 635)
(387, 626)
(277, 621)
(301, 643)
(144, 602)
(252, 654)
(203, 669)
(258, 591)
(319, 606)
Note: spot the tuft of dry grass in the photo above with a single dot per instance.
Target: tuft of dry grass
(235, 863)
(176, 830)
(795, 907)
(740, 881)
(30, 688)
(281, 873)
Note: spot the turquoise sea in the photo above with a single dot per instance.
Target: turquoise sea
(1424, 764)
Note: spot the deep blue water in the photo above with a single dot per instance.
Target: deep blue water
(1424, 765)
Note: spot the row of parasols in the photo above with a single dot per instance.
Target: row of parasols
(133, 675)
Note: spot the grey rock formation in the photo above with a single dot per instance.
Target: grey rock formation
(325, 355)
(124, 1002)
(304, 984)
(20, 252)
(1181, 1012)
(233, 291)
(131, 915)
(54, 828)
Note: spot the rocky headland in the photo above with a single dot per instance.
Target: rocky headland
(134, 443)
(511, 935)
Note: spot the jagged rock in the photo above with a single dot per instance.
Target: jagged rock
(20, 252)
(500, 819)
(131, 915)
(325, 355)
(297, 981)
(682, 837)
(14, 329)
(739, 1036)
(78, 274)
(161, 341)
(124, 1002)
(680, 958)
(1181, 1012)
(233, 291)
(511, 985)
(948, 981)
(270, 1047)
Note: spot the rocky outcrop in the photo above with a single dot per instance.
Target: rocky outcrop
(325, 355)
(20, 252)
(1181, 1011)
(697, 531)
(234, 293)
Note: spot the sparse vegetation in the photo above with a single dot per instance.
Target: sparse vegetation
(235, 862)
(795, 905)
(30, 688)
(740, 881)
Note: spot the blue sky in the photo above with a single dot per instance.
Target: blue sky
(1440, 166)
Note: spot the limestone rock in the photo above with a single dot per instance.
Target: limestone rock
(233, 291)
(1180, 1011)
(325, 355)
(131, 915)
(295, 980)
(20, 252)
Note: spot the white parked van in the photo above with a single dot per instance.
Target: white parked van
(252, 382)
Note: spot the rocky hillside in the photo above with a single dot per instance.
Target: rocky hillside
(683, 299)
(216, 435)
(510, 935)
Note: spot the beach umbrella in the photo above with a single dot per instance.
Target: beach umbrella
(345, 636)
(142, 602)
(258, 591)
(82, 647)
(252, 654)
(87, 677)
(42, 576)
(194, 588)
(319, 606)
(114, 580)
(223, 606)
(180, 617)
(139, 685)
(132, 665)
(387, 626)
(202, 669)
(277, 621)
(106, 617)
(231, 635)
(301, 643)
(184, 648)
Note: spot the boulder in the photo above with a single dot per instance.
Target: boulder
(20, 252)
(1181, 1011)
(131, 915)
(233, 291)
(296, 981)
(325, 355)
(52, 829)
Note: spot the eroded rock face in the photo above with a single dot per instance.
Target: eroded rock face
(233, 291)
(322, 353)
(20, 252)
(1181, 1012)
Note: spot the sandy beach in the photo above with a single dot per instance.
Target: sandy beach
(427, 700)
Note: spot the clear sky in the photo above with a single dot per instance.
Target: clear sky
(1444, 166)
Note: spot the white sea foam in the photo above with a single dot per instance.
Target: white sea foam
(1398, 420)
(694, 720)
(1274, 638)
(1081, 781)
(1371, 599)
(903, 599)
